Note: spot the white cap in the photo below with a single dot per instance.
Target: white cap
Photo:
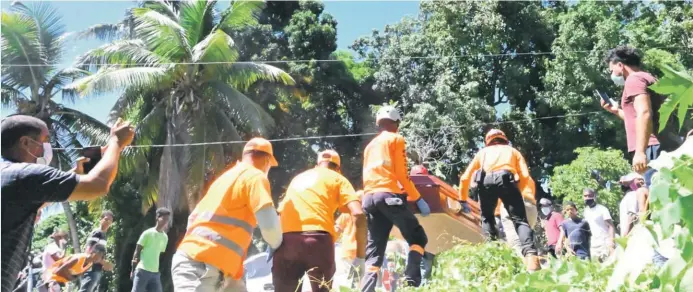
(388, 112)
(631, 177)
(545, 202)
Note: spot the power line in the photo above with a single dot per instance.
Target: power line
(345, 135)
(516, 54)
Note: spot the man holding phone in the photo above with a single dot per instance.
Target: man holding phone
(639, 109)
(28, 182)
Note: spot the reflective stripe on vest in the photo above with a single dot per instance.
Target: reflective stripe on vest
(211, 217)
(214, 236)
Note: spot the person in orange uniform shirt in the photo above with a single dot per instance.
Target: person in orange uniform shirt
(71, 267)
(220, 228)
(345, 228)
(307, 217)
(500, 172)
(384, 170)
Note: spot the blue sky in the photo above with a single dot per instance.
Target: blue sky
(355, 19)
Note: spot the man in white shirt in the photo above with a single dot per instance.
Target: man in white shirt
(601, 225)
(55, 250)
(630, 206)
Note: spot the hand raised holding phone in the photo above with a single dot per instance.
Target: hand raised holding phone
(123, 132)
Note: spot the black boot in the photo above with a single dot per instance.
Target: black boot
(412, 272)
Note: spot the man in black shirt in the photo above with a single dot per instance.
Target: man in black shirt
(90, 280)
(28, 183)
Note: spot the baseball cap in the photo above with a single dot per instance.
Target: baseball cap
(545, 202)
(262, 145)
(330, 156)
(631, 177)
(388, 112)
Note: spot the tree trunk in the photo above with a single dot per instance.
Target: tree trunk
(73, 227)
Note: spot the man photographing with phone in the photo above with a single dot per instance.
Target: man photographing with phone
(28, 182)
(639, 108)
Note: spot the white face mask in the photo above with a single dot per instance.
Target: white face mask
(618, 80)
(546, 210)
(47, 154)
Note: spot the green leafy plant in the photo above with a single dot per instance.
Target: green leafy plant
(678, 86)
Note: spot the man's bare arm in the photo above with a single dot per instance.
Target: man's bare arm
(643, 121)
(356, 211)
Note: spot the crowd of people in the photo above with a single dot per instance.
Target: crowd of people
(302, 230)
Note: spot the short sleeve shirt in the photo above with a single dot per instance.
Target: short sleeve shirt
(49, 251)
(637, 84)
(578, 234)
(312, 198)
(97, 235)
(25, 188)
(597, 217)
(552, 225)
(153, 244)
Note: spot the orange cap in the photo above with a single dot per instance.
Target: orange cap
(262, 145)
(330, 156)
(493, 134)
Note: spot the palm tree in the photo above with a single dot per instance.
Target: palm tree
(32, 47)
(177, 74)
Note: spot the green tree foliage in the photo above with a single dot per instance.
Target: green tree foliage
(569, 181)
(44, 229)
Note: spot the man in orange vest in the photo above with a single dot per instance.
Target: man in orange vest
(385, 204)
(71, 267)
(500, 172)
(345, 228)
(220, 228)
(307, 217)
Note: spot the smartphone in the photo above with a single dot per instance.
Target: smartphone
(604, 97)
(94, 155)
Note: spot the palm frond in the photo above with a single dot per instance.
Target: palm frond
(11, 96)
(64, 77)
(216, 47)
(50, 28)
(91, 129)
(163, 7)
(243, 75)
(245, 109)
(197, 18)
(162, 34)
(241, 14)
(104, 32)
(21, 46)
(114, 79)
(122, 52)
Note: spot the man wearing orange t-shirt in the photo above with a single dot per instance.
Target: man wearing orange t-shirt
(307, 218)
(345, 227)
(385, 203)
(500, 172)
(220, 228)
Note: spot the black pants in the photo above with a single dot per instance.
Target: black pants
(383, 210)
(501, 185)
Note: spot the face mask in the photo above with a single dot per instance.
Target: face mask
(47, 154)
(546, 210)
(618, 80)
(634, 186)
(590, 203)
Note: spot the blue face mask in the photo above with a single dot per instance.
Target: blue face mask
(618, 80)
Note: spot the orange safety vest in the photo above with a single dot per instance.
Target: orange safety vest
(220, 230)
(77, 269)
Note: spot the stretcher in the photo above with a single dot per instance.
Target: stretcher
(445, 226)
